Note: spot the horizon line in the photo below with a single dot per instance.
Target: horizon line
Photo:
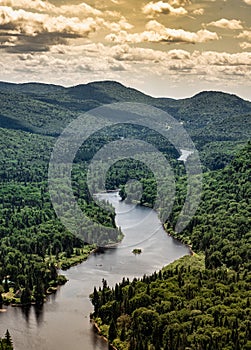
(126, 86)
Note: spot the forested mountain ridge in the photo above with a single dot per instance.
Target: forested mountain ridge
(217, 122)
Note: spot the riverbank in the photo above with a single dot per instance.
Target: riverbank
(175, 236)
(62, 263)
(80, 254)
(170, 232)
(13, 298)
(64, 320)
(102, 329)
(173, 280)
(100, 333)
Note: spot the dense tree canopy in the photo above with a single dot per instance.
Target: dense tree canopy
(199, 302)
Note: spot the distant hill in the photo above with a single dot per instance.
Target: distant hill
(107, 92)
(216, 121)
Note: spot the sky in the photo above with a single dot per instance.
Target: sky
(169, 48)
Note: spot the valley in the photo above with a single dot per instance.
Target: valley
(198, 302)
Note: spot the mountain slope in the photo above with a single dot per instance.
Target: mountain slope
(217, 122)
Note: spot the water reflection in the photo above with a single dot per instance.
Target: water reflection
(26, 313)
(63, 322)
(39, 314)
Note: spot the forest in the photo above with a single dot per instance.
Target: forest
(198, 302)
(34, 243)
(201, 301)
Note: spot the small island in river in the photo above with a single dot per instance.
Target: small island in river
(137, 251)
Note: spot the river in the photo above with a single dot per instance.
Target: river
(63, 322)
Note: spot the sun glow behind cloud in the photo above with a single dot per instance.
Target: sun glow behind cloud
(170, 47)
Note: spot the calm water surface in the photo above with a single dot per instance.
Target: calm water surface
(63, 322)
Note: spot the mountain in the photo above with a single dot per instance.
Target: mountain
(217, 122)
(31, 88)
(108, 92)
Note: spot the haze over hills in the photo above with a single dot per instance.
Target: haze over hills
(216, 121)
(103, 92)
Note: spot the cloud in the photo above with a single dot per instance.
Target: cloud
(60, 42)
(137, 54)
(244, 45)
(121, 24)
(78, 10)
(208, 65)
(246, 34)
(84, 59)
(117, 67)
(179, 2)
(199, 11)
(91, 57)
(156, 32)
(39, 25)
(117, 2)
(226, 59)
(38, 5)
(29, 23)
(206, 58)
(227, 24)
(37, 31)
(160, 7)
(80, 64)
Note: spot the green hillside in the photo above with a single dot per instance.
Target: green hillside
(217, 122)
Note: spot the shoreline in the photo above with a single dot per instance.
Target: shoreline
(96, 328)
(179, 240)
(52, 289)
(99, 332)
(163, 225)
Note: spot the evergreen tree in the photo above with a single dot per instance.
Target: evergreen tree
(8, 339)
(26, 296)
(95, 301)
(112, 334)
(39, 293)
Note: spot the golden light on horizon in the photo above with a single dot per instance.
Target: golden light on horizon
(165, 48)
